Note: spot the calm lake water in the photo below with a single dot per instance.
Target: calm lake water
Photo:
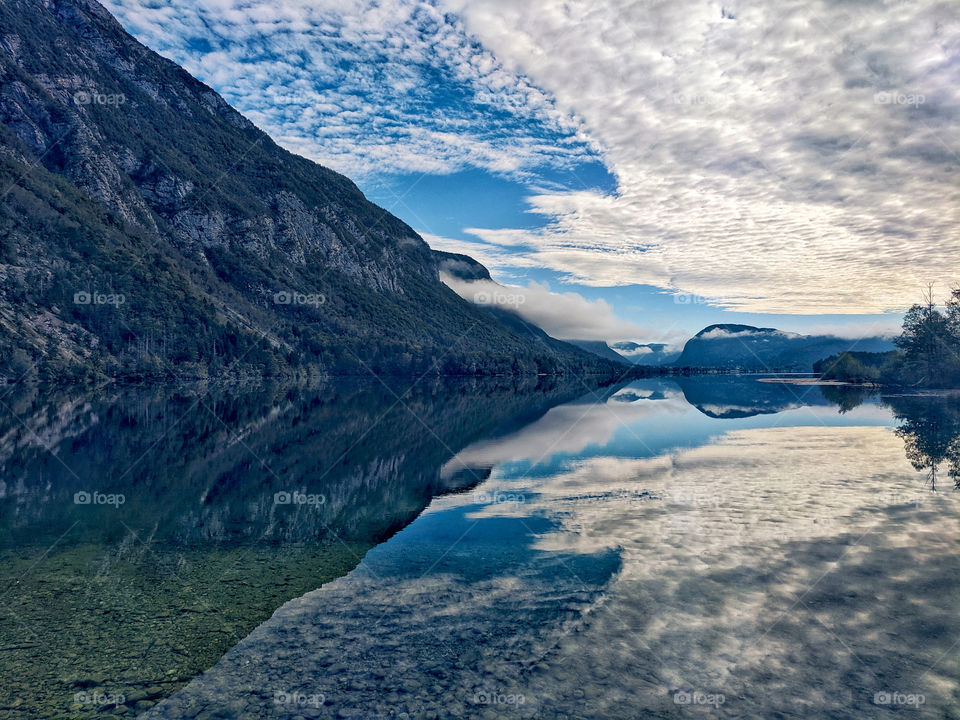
(666, 548)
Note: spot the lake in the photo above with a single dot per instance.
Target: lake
(716, 546)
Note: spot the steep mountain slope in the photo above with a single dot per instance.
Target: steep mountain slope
(752, 348)
(601, 349)
(148, 229)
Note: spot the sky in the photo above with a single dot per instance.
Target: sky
(649, 167)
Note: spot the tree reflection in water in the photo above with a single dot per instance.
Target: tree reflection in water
(931, 433)
(929, 426)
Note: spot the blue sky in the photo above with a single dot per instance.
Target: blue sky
(650, 168)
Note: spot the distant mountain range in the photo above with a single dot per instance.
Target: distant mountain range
(646, 353)
(722, 346)
(730, 346)
(601, 349)
(147, 229)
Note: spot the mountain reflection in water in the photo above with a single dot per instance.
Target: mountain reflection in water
(671, 547)
(135, 599)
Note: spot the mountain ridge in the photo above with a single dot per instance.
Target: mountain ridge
(734, 346)
(734, 328)
(124, 177)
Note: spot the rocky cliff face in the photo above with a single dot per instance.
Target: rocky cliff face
(123, 176)
(462, 267)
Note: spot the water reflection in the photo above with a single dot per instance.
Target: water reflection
(733, 396)
(643, 549)
(754, 554)
(928, 423)
(930, 428)
(144, 531)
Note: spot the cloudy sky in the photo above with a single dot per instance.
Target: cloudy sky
(662, 165)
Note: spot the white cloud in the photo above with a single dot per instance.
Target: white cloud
(567, 316)
(796, 157)
(855, 330)
(495, 258)
(638, 351)
(362, 87)
(758, 159)
(718, 333)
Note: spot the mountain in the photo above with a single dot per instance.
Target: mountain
(646, 353)
(456, 267)
(150, 230)
(601, 349)
(752, 348)
(460, 266)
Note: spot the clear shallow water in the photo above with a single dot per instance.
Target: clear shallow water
(668, 548)
(108, 607)
(714, 546)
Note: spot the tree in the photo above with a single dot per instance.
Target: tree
(928, 342)
(953, 320)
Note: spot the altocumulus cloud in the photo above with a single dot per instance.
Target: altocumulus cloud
(785, 156)
(362, 87)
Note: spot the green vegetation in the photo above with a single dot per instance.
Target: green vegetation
(856, 367)
(928, 354)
